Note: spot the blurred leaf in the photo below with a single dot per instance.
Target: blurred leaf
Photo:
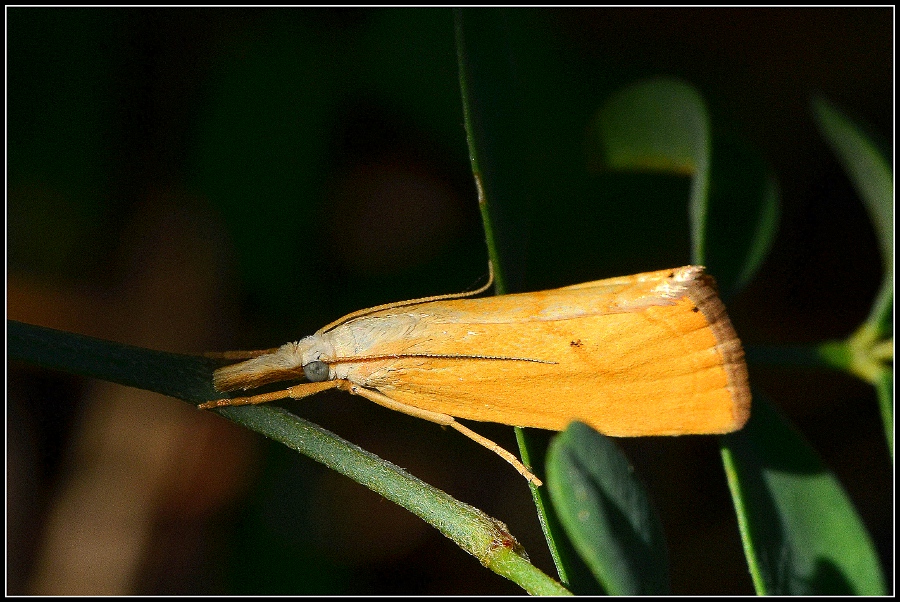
(800, 532)
(744, 209)
(659, 125)
(871, 175)
(607, 513)
(869, 171)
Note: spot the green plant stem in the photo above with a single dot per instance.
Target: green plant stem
(508, 563)
(474, 154)
(480, 535)
(540, 496)
(861, 355)
(737, 497)
(833, 355)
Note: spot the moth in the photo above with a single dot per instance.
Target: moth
(648, 354)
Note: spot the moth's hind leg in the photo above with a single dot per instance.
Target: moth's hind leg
(443, 419)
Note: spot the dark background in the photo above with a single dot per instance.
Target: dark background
(193, 180)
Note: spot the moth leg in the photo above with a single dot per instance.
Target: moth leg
(296, 392)
(442, 419)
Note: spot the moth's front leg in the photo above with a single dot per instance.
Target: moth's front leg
(296, 392)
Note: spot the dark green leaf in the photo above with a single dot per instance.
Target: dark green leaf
(871, 175)
(607, 513)
(744, 209)
(800, 531)
(885, 387)
(660, 125)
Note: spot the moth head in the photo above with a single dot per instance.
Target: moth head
(291, 361)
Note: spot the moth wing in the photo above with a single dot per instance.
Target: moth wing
(660, 358)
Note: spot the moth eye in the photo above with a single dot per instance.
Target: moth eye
(316, 371)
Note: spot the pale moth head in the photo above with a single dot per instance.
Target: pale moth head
(287, 362)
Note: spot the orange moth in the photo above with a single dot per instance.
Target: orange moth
(648, 354)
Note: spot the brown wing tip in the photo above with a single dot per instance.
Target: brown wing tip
(703, 292)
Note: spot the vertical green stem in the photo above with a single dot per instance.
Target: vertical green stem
(473, 131)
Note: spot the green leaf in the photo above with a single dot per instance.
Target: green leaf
(800, 532)
(190, 378)
(885, 387)
(660, 125)
(607, 513)
(871, 175)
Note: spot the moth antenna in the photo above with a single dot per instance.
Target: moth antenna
(238, 355)
(371, 310)
(443, 356)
